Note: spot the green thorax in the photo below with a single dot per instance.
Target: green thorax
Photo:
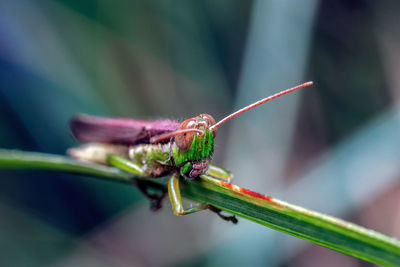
(202, 148)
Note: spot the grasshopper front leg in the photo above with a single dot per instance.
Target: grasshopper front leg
(175, 198)
(177, 206)
(219, 173)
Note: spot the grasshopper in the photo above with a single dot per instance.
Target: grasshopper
(157, 148)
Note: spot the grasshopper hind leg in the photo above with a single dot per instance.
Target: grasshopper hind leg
(176, 199)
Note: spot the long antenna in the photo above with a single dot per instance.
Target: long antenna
(259, 102)
(158, 138)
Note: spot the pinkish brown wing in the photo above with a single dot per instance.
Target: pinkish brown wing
(119, 130)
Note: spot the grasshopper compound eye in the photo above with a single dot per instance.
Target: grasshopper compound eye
(184, 140)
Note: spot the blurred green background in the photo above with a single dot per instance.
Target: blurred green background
(333, 147)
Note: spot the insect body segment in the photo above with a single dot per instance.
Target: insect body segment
(154, 160)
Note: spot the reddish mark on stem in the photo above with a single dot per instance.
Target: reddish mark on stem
(255, 194)
(225, 184)
(246, 192)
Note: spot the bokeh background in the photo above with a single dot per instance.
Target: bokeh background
(333, 147)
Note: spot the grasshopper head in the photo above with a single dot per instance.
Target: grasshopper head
(202, 122)
(194, 139)
(193, 150)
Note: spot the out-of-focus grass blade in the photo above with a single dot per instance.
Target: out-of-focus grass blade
(321, 229)
(14, 159)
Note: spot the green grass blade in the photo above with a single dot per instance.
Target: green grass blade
(321, 229)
